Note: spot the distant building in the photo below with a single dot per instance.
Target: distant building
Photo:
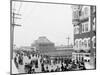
(84, 23)
(43, 45)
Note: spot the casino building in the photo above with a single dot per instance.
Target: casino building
(84, 23)
(43, 45)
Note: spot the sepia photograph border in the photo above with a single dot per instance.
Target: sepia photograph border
(11, 33)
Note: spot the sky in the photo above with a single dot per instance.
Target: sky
(40, 19)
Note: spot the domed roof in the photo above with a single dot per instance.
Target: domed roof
(42, 40)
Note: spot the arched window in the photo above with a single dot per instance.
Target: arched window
(88, 40)
(76, 43)
(85, 43)
(93, 42)
(80, 43)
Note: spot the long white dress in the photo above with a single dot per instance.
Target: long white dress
(14, 69)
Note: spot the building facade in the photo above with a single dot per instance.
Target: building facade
(84, 23)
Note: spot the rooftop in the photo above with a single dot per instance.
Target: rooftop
(43, 39)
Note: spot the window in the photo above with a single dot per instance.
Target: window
(86, 11)
(94, 18)
(76, 43)
(76, 30)
(80, 43)
(76, 14)
(82, 13)
(85, 27)
(85, 43)
(94, 24)
(94, 42)
(94, 9)
(88, 42)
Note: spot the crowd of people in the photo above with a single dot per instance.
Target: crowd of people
(34, 62)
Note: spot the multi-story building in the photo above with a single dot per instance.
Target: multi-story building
(84, 23)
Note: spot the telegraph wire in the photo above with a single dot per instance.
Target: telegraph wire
(13, 24)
